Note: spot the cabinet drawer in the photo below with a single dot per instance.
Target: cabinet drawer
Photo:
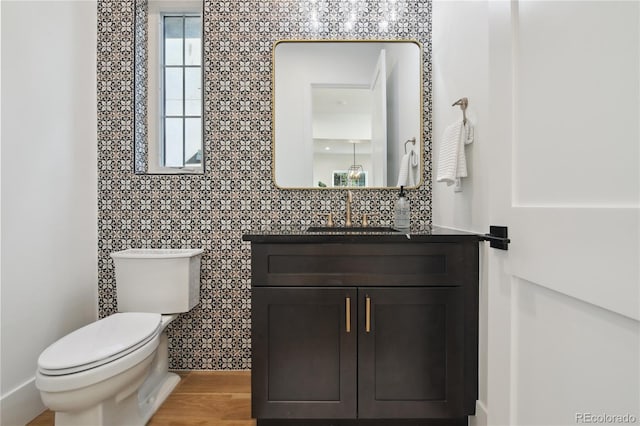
(335, 264)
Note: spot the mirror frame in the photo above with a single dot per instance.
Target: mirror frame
(273, 114)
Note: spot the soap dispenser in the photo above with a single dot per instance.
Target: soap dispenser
(402, 212)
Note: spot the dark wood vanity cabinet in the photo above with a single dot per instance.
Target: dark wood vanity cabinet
(360, 331)
(410, 362)
(303, 361)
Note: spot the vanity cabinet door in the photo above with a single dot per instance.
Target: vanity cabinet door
(304, 352)
(410, 352)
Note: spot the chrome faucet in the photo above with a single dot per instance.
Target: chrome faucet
(347, 221)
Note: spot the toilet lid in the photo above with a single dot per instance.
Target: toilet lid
(99, 342)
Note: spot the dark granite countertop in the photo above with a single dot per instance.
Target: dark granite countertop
(299, 234)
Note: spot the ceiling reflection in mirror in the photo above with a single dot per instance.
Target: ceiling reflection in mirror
(347, 114)
(168, 87)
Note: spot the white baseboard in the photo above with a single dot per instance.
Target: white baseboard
(480, 419)
(21, 405)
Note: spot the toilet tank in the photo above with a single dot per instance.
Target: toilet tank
(164, 281)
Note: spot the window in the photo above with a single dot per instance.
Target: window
(169, 87)
(341, 178)
(181, 91)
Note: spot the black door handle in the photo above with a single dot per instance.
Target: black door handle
(497, 237)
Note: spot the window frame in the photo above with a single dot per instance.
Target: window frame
(156, 116)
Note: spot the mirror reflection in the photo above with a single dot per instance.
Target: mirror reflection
(347, 114)
(168, 86)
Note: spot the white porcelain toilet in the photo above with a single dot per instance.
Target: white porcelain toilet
(115, 371)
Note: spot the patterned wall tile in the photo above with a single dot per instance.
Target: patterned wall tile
(236, 194)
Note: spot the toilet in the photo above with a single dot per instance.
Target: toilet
(115, 371)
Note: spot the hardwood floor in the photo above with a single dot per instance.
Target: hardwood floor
(217, 398)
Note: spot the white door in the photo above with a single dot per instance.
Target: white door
(378, 172)
(563, 330)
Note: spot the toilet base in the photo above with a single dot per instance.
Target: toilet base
(167, 386)
(126, 412)
(136, 403)
(160, 382)
(111, 402)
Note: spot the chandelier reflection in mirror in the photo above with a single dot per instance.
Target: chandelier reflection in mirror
(348, 12)
(355, 170)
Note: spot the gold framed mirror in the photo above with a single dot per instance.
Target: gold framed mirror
(347, 114)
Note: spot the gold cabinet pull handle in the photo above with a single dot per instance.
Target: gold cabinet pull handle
(367, 310)
(347, 301)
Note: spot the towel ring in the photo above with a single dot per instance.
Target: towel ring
(464, 103)
(412, 140)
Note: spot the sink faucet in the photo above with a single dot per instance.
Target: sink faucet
(347, 221)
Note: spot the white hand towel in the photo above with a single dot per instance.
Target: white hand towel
(409, 169)
(453, 162)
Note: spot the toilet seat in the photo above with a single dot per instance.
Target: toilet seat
(86, 378)
(100, 343)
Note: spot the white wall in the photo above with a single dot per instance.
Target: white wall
(460, 69)
(49, 187)
(573, 108)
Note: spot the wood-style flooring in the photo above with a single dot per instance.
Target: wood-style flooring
(216, 398)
